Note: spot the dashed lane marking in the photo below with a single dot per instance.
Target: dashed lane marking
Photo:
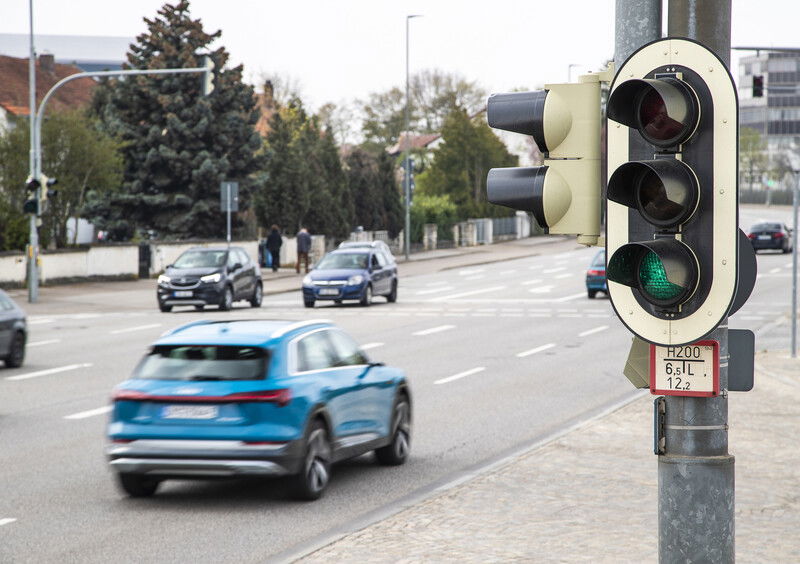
(471, 293)
(461, 375)
(40, 321)
(435, 290)
(89, 413)
(6, 521)
(49, 371)
(593, 331)
(552, 270)
(523, 354)
(368, 346)
(433, 330)
(40, 343)
(137, 328)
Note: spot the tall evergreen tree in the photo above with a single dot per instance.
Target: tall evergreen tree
(374, 189)
(178, 144)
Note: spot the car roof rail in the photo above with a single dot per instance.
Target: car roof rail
(292, 326)
(186, 326)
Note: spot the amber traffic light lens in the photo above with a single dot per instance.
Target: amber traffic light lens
(655, 119)
(657, 204)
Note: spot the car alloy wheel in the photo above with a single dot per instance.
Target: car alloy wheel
(396, 452)
(366, 298)
(16, 355)
(315, 474)
(392, 297)
(258, 296)
(227, 299)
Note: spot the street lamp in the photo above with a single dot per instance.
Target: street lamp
(406, 162)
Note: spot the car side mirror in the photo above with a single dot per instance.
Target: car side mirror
(168, 266)
(236, 266)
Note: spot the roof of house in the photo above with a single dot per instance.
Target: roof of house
(14, 85)
(411, 141)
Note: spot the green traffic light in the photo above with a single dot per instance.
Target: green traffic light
(653, 278)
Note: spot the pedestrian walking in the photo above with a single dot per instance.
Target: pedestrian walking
(303, 247)
(274, 242)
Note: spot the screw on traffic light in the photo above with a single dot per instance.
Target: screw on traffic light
(758, 85)
(672, 203)
(564, 121)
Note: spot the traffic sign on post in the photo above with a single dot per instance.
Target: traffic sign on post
(564, 121)
(672, 201)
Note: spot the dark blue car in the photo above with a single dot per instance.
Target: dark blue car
(215, 399)
(596, 275)
(351, 274)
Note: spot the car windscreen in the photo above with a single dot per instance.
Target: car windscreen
(599, 259)
(333, 261)
(766, 227)
(200, 259)
(203, 362)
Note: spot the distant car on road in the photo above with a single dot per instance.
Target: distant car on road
(205, 276)
(351, 274)
(13, 332)
(378, 244)
(596, 275)
(216, 399)
(771, 235)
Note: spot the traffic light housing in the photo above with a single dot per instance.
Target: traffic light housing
(672, 200)
(31, 204)
(564, 120)
(207, 84)
(758, 85)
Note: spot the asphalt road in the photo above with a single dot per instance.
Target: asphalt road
(499, 356)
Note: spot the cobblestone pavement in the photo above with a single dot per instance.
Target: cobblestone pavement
(591, 495)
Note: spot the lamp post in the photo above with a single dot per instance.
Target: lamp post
(406, 162)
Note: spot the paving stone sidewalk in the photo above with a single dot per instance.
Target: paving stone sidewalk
(591, 495)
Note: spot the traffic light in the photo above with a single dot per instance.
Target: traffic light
(31, 204)
(564, 121)
(672, 200)
(758, 85)
(207, 84)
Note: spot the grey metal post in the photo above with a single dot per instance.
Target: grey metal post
(228, 209)
(33, 238)
(696, 474)
(795, 240)
(637, 22)
(407, 175)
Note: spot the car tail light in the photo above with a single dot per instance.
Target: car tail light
(751, 236)
(595, 272)
(281, 396)
(777, 235)
(121, 441)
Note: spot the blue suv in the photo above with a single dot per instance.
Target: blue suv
(351, 274)
(217, 399)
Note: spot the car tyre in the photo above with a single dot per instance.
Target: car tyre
(258, 296)
(366, 297)
(137, 485)
(392, 296)
(16, 354)
(199, 307)
(226, 302)
(165, 308)
(308, 303)
(315, 473)
(396, 452)
(591, 294)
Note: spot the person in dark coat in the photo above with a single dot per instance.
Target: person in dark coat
(274, 242)
(303, 247)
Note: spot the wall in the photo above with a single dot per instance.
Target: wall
(118, 261)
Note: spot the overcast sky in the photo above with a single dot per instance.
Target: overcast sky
(341, 50)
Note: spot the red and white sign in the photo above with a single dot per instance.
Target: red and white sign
(685, 370)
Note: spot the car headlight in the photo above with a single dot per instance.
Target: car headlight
(307, 280)
(162, 279)
(211, 278)
(355, 280)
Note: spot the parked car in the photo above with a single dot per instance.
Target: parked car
(13, 332)
(351, 274)
(771, 235)
(210, 276)
(215, 399)
(378, 244)
(596, 275)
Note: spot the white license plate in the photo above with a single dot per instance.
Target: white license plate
(190, 412)
(764, 237)
(183, 294)
(329, 292)
(686, 370)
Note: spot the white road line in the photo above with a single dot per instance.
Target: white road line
(433, 330)
(504, 272)
(40, 321)
(138, 328)
(568, 298)
(469, 271)
(436, 283)
(460, 375)
(593, 331)
(570, 315)
(787, 265)
(6, 521)
(536, 350)
(540, 315)
(541, 290)
(476, 277)
(774, 270)
(528, 282)
(464, 294)
(40, 343)
(562, 276)
(89, 413)
(551, 270)
(49, 371)
(371, 346)
(435, 290)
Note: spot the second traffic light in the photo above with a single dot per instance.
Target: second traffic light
(564, 121)
(672, 204)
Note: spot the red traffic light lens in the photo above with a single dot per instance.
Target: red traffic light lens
(655, 119)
